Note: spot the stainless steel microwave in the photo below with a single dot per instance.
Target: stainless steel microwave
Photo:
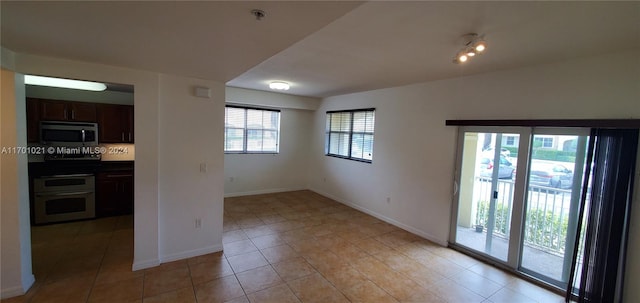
(71, 134)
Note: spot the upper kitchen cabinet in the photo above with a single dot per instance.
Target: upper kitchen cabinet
(115, 123)
(33, 119)
(55, 110)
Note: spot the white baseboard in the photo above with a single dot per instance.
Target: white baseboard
(262, 191)
(145, 264)
(384, 218)
(11, 292)
(191, 253)
(18, 290)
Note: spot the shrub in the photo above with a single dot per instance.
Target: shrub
(542, 228)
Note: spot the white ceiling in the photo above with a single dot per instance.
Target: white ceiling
(321, 48)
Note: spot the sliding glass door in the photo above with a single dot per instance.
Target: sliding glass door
(517, 196)
(486, 191)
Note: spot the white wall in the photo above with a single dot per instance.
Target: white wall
(263, 98)
(15, 239)
(191, 134)
(414, 152)
(247, 174)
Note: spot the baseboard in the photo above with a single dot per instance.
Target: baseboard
(18, 290)
(262, 191)
(145, 264)
(191, 253)
(384, 218)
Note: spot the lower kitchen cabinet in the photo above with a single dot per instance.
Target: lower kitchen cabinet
(114, 193)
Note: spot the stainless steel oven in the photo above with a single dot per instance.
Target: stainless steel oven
(64, 198)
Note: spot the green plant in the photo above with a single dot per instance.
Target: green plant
(543, 229)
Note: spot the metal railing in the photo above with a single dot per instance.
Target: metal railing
(547, 213)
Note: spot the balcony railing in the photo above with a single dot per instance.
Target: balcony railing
(547, 214)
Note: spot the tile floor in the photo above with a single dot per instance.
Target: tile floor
(286, 247)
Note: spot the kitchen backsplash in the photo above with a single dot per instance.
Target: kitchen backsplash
(118, 152)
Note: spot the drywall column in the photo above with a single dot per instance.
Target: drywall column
(15, 244)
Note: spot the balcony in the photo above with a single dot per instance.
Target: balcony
(545, 229)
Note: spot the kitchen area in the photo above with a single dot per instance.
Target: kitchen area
(82, 153)
(81, 178)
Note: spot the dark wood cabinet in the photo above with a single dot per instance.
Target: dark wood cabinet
(33, 119)
(115, 123)
(55, 110)
(114, 193)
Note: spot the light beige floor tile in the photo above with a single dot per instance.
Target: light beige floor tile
(451, 292)
(276, 294)
(293, 269)
(344, 278)
(313, 288)
(267, 241)
(476, 283)
(506, 295)
(535, 292)
(120, 291)
(368, 292)
(259, 278)
(183, 295)
(247, 261)
(492, 273)
(219, 290)
(207, 271)
(165, 281)
(233, 236)
(279, 253)
(239, 247)
(326, 251)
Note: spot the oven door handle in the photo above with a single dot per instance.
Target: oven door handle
(64, 194)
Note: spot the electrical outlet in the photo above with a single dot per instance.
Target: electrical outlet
(388, 200)
(198, 222)
(203, 167)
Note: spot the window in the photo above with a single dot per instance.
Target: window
(510, 141)
(251, 130)
(544, 142)
(350, 134)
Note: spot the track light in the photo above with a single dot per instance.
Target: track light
(474, 45)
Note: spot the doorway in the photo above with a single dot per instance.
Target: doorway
(518, 196)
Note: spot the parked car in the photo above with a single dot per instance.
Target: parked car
(506, 170)
(551, 175)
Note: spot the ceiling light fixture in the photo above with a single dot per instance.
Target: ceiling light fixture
(474, 45)
(64, 83)
(279, 85)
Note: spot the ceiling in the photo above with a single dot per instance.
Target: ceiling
(321, 48)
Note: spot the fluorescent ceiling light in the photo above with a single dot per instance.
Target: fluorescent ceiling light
(278, 85)
(64, 83)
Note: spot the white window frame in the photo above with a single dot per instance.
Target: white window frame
(247, 128)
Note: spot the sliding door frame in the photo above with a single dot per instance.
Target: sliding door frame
(519, 202)
(516, 231)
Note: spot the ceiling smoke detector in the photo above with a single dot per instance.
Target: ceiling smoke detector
(258, 13)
